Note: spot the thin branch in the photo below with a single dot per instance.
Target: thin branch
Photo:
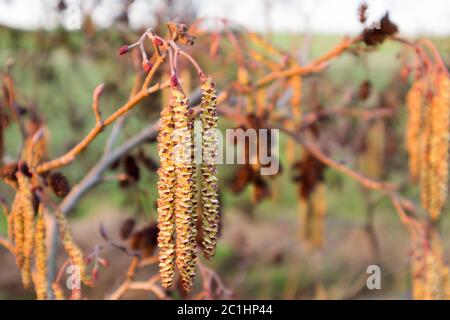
(81, 146)
(8, 245)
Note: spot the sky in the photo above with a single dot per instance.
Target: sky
(427, 17)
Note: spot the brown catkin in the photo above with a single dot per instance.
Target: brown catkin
(26, 203)
(414, 101)
(166, 200)
(312, 217)
(209, 187)
(40, 256)
(185, 218)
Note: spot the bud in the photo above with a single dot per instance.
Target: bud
(173, 81)
(147, 66)
(157, 42)
(124, 49)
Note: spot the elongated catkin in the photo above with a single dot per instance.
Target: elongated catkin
(414, 101)
(438, 134)
(166, 200)
(185, 218)
(209, 186)
(26, 202)
(73, 251)
(40, 256)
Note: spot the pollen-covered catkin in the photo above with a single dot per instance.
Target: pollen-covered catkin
(414, 101)
(26, 203)
(185, 218)
(209, 187)
(440, 119)
(73, 251)
(40, 256)
(166, 200)
(425, 151)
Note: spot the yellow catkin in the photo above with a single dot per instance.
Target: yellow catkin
(434, 144)
(209, 189)
(58, 292)
(429, 272)
(26, 203)
(12, 215)
(433, 278)
(371, 160)
(417, 271)
(440, 119)
(17, 214)
(40, 256)
(185, 218)
(425, 148)
(166, 200)
(414, 102)
(73, 251)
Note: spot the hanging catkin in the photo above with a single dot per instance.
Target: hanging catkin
(209, 191)
(17, 215)
(414, 101)
(26, 203)
(185, 218)
(40, 256)
(425, 150)
(73, 251)
(166, 200)
(438, 147)
(440, 144)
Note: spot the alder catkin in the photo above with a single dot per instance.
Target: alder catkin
(73, 251)
(166, 200)
(209, 187)
(26, 202)
(425, 149)
(17, 214)
(41, 256)
(414, 101)
(185, 218)
(441, 135)
(438, 147)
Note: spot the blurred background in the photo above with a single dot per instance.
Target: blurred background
(59, 51)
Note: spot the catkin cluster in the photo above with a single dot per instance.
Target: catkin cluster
(27, 230)
(177, 186)
(434, 148)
